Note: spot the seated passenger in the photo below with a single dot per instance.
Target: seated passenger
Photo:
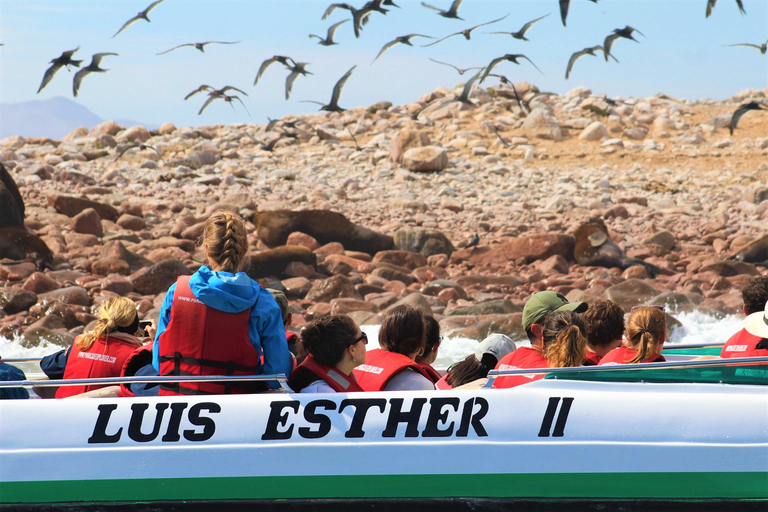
(565, 340)
(219, 321)
(748, 342)
(605, 327)
(335, 345)
(477, 365)
(9, 372)
(102, 352)
(539, 305)
(646, 332)
(393, 367)
(292, 338)
(431, 347)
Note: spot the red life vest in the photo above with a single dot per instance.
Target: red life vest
(523, 357)
(443, 383)
(623, 355)
(380, 366)
(103, 359)
(140, 357)
(431, 372)
(743, 344)
(201, 340)
(311, 370)
(591, 358)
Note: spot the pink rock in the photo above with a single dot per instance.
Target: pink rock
(329, 248)
(68, 295)
(448, 295)
(158, 277)
(303, 239)
(555, 264)
(117, 283)
(296, 287)
(347, 306)
(40, 283)
(636, 272)
(131, 222)
(397, 287)
(407, 259)
(87, 222)
(108, 266)
(299, 269)
(356, 265)
(334, 287)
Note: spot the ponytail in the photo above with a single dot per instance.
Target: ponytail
(565, 340)
(116, 314)
(646, 329)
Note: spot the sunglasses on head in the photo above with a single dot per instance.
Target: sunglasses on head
(662, 308)
(363, 337)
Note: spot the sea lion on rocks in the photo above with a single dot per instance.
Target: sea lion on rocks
(595, 248)
(325, 226)
(11, 203)
(273, 261)
(16, 243)
(756, 252)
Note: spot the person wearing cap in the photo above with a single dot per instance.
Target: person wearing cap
(752, 340)
(535, 312)
(431, 346)
(605, 327)
(477, 365)
(646, 333)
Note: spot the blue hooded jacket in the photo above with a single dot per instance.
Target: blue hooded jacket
(9, 372)
(233, 293)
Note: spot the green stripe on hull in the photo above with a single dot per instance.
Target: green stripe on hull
(744, 485)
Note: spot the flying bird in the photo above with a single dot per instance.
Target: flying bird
(328, 41)
(139, 145)
(466, 32)
(452, 12)
(520, 34)
(465, 92)
(217, 95)
(400, 39)
(739, 113)
(141, 16)
(333, 106)
(213, 91)
(282, 59)
(359, 16)
(299, 68)
(763, 47)
(65, 59)
(625, 32)
(586, 51)
(511, 58)
(199, 46)
(459, 70)
(564, 4)
(711, 5)
(93, 67)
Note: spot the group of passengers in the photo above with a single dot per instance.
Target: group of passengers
(219, 321)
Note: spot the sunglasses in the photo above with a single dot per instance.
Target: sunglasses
(363, 337)
(662, 308)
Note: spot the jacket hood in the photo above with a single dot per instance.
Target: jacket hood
(231, 293)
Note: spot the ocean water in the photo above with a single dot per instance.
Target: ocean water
(696, 327)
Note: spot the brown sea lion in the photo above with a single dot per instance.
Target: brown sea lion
(11, 203)
(595, 248)
(756, 252)
(16, 243)
(272, 263)
(325, 226)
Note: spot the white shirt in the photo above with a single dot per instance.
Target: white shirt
(319, 386)
(409, 380)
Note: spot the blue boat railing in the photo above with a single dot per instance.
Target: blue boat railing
(107, 381)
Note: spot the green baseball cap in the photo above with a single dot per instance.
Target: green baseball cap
(543, 303)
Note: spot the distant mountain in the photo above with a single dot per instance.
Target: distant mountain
(52, 118)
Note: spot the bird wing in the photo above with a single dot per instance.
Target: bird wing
(262, 68)
(385, 48)
(230, 88)
(174, 48)
(48, 76)
(608, 44)
(488, 23)
(208, 102)
(747, 44)
(431, 7)
(311, 101)
(632, 29)
(235, 97)
(741, 7)
(529, 60)
(152, 6)
(78, 78)
(289, 82)
(528, 25)
(572, 60)
(564, 4)
(68, 54)
(737, 114)
(332, 29)
(710, 6)
(455, 7)
(96, 59)
(445, 64)
(127, 24)
(333, 7)
(340, 85)
(469, 85)
(490, 67)
(442, 39)
(220, 42)
(199, 89)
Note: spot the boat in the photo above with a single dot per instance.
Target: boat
(680, 435)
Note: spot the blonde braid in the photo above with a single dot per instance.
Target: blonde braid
(226, 240)
(117, 311)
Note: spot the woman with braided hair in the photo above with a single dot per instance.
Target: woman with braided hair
(219, 321)
(102, 352)
(645, 336)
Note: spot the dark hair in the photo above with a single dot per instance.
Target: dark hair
(755, 294)
(433, 333)
(470, 369)
(328, 337)
(564, 339)
(645, 329)
(604, 321)
(402, 330)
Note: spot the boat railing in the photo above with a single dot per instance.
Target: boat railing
(702, 363)
(110, 381)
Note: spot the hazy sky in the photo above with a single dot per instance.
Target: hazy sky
(682, 53)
